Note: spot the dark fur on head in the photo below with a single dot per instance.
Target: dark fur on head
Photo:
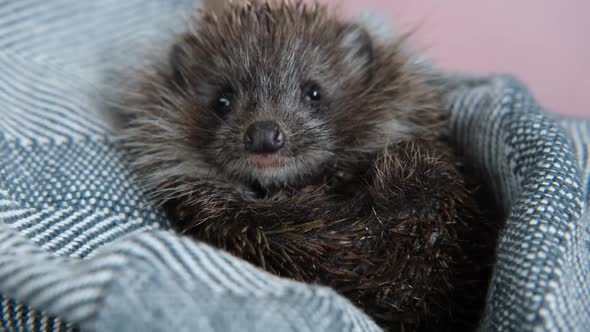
(391, 237)
(264, 57)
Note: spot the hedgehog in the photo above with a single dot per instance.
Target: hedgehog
(295, 139)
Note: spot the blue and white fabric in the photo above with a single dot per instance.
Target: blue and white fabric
(82, 249)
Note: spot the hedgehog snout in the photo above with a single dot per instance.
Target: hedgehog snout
(264, 137)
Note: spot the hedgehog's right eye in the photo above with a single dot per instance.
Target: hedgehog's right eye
(223, 102)
(312, 93)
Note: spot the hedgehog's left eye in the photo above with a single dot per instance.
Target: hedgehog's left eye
(312, 93)
(223, 102)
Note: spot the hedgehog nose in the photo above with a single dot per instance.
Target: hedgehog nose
(264, 137)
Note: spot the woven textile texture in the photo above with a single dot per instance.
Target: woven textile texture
(81, 248)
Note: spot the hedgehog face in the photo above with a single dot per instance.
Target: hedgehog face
(271, 94)
(266, 91)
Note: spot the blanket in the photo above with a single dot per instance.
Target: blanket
(82, 249)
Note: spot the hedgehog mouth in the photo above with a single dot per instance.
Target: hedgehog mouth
(273, 169)
(268, 161)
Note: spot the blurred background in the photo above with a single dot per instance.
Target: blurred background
(545, 43)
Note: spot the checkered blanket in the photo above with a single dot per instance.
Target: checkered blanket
(81, 248)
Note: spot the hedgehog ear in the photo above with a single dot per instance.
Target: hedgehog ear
(358, 47)
(177, 60)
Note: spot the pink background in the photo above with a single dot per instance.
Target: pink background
(546, 43)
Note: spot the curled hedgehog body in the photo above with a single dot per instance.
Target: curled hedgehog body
(297, 141)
